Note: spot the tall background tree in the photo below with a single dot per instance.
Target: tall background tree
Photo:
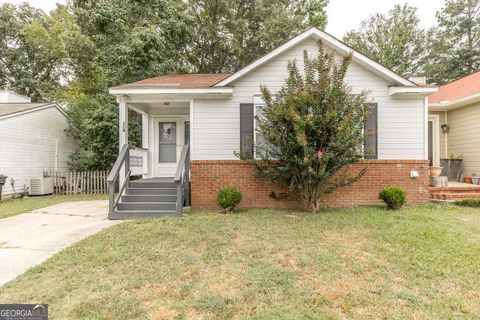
(443, 53)
(31, 61)
(393, 39)
(455, 43)
(228, 34)
(133, 40)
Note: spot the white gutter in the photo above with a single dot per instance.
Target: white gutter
(407, 90)
(213, 91)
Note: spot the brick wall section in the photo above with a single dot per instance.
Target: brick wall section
(208, 176)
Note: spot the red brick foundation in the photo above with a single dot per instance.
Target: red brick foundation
(208, 176)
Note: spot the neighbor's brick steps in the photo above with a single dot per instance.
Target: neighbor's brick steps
(454, 193)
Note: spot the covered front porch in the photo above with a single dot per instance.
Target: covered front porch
(151, 178)
(165, 132)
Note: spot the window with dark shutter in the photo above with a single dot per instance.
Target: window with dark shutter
(246, 130)
(371, 129)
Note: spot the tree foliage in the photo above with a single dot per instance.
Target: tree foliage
(455, 42)
(313, 129)
(230, 34)
(442, 53)
(393, 39)
(30, 61)
(134, 40)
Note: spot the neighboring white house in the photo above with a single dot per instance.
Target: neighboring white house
(32, 139)
(214, 114)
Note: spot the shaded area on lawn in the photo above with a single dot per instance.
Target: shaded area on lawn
(419, 262)
(13, 207)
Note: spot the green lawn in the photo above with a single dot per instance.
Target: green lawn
(16, 206)
(419, 263)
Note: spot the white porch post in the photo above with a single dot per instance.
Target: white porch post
(144, 131)
(122, 131)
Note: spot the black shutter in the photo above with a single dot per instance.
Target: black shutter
(371, 128)
(246, 130)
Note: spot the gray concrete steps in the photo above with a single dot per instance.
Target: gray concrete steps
(146, 206)
(149, 198)
(151, 184)
(150, 191)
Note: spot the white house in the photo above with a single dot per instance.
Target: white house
(214, 115)
(32, 139)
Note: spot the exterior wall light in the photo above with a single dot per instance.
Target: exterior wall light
(445, 128)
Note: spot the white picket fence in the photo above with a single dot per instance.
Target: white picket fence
(78, 182)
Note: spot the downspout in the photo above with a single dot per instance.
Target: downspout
(425, 127)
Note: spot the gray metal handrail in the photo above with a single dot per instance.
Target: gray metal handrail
(123, 158)
(182, 179)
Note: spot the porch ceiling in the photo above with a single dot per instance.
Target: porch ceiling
(162, 107)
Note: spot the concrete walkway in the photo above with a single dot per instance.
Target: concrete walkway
(30, 238)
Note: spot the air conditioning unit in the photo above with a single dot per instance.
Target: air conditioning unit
(40, 186)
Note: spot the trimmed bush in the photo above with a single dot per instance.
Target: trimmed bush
(394, 197)
(472, 203)
(228, 198)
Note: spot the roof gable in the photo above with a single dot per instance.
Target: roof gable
(8, 110)
(330, 42)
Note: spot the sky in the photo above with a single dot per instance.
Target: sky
(343, 15)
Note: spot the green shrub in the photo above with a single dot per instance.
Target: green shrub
(228, 198)
(473, 203)
(394, 197)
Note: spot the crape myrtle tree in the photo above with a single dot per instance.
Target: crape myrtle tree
(313, 129)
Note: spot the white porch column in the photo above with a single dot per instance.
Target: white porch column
(122, 131)
(144, 131)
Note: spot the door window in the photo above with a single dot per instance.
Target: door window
(167, 142)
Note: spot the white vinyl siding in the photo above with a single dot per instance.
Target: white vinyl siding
(464, 136)
(401, 122)
(31, 143)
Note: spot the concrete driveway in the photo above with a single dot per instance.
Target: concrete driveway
(30, 238)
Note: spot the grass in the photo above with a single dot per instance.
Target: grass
(13, 207)
(368, 263)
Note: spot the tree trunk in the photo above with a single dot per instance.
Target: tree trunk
(311, 198)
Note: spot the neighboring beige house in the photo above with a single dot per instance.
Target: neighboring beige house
(32, 140)
(454, 123)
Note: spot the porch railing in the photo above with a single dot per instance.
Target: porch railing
(182, 179)
(138, 161)
(123, 160)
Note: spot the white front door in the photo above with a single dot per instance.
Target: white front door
(169, 137)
